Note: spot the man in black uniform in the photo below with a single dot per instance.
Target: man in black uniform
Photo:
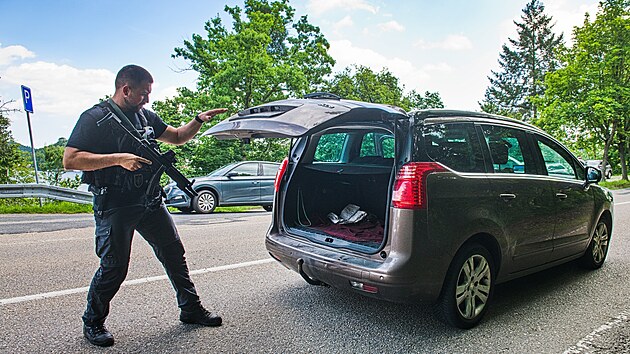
(126, 199)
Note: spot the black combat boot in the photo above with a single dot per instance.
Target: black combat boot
(201, 316)
(98, 335)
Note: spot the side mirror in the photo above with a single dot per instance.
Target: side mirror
(593, 175)
(232, 174)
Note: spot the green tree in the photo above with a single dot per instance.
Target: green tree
(266, 55)
(524, 63)
(589, 98)
(359, 82)
(13, 165)
(50, 161)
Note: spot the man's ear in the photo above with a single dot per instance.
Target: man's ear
(126, 90)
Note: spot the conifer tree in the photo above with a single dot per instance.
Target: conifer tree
(524, 63)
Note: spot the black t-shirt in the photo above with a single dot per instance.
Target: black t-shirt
(87, 136)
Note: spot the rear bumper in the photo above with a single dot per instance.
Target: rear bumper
(394, 277)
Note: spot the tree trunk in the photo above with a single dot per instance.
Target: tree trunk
(622, 157)
(609, 142)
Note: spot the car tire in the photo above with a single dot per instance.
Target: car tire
(268, 207)
(468, 287)
(205, 202)
(609, 175)
(597, 250)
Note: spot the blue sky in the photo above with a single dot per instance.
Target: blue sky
(68, 51)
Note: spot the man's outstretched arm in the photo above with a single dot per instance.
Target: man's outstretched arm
(183, 134)
(75, 159)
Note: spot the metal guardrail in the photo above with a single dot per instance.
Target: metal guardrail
(32, 190)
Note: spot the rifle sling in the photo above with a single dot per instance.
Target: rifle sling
(123, 117)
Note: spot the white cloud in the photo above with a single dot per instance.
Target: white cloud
(61, 89)
(441, 67)
(60, 94)
(391, 26)
(451, 42)
(13, 53)
(347, 54)
(566, 15)
(343, 23)
(319, 7)
(159, 94)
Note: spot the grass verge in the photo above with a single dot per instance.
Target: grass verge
(31, 206)
(231, 209)
(618, 184)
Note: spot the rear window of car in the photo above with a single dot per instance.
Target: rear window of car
(330, 147)
(455, 145)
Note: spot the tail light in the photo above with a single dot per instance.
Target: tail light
(410, 188)
(280, 174)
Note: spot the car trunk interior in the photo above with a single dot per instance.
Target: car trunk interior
(358, 183)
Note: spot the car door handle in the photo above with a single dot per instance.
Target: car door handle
(507, 196)
(561, 195)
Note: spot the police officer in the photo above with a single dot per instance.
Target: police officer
(126, 199)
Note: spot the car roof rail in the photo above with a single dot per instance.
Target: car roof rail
(322, 96)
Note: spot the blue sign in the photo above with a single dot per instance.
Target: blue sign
(27, 98)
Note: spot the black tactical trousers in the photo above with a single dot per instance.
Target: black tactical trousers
(114, 232)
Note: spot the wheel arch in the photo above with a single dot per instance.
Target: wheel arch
(446, 308)
(487, 241)
(608, 218)
(490, 243)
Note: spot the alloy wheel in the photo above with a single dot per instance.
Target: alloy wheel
(473, 286)
(600, 242)
(206, 202)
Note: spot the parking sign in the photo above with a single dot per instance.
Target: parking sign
(27, 98)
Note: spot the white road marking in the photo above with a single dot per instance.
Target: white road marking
(586, 344)
(38, 242)
(87, 218)
(622, 203)
(59, 293)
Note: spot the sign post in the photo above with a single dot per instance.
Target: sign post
(28, 107)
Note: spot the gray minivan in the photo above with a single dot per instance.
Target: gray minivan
(430, 205)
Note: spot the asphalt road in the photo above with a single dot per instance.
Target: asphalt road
(47, 261)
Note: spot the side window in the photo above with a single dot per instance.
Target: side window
(368, 145)
(454, 145)
(246, 170)
(330, 147)
(269, 169)
(389, 146)
(508, 150)
(377, 144)
(557, 162)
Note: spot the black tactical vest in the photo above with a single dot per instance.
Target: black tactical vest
(118, 179)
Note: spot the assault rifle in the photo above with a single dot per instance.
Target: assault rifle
(164, 161)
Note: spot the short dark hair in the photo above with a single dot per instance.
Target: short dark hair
(132, 75)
